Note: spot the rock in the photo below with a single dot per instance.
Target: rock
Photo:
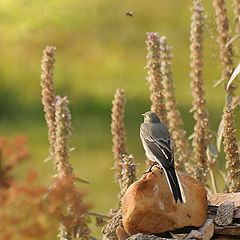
(236, 213)
(121, 233)
(110, 229)
(222, 237)
(141, 236)
(228, 230)
(194, 234)
(203, 233)
(224, 215)
(207, 229)
(218, 198)
(149, 207)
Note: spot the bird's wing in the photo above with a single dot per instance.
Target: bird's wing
(160, 147)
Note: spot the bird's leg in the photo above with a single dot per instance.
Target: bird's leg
(150, 169)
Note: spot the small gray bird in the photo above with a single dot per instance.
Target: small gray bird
(158, 147)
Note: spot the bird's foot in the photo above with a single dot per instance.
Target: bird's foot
(150, 169)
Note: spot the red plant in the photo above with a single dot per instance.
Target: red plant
(12, 152)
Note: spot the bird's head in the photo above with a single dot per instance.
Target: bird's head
(151, 117)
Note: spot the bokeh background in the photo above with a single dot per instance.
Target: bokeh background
(99, 49)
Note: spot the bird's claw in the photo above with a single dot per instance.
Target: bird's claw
(150, 168)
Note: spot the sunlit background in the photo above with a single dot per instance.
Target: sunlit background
(99, 49)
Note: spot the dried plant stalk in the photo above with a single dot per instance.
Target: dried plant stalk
(48, 95)
(231, 150)
(201, 133)
(128, 175)
(226, 51)
(65, 202)
(63, 132)
(236, 8)
(64, 234)
(118, 131)
(154, 76)
(229, 131)
(75, 210)
(175, 123)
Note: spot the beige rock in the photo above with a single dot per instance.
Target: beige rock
(149, 207)
(204, 233)
(194, 234)
(207, 229)
(219, 198)
(141, 236)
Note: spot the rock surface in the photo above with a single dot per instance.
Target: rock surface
(110, 229)
(204, 233)
(219, 198)
(228, 230)
(224, 215)
(121, 233)
(141, 236)
(149, 207)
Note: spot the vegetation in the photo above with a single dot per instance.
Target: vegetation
(98, 51)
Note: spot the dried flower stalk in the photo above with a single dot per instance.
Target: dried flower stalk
(154, 76)
(175, 123)
(118, 131)
(128, 174)
(226, 51)
(236, 8)
(231, 150)
(63, 132)
(229, 130)
(211, 156)
(64, 234)
(75, 208)
(201, 135)
(65, 202)
(48, 95)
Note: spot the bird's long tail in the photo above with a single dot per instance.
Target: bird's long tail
(175, 185)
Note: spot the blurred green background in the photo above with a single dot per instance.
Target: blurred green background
(99, 49)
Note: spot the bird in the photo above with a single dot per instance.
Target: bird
(129, 14)
(158, 147)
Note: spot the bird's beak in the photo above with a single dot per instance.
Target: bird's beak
(143, 114)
